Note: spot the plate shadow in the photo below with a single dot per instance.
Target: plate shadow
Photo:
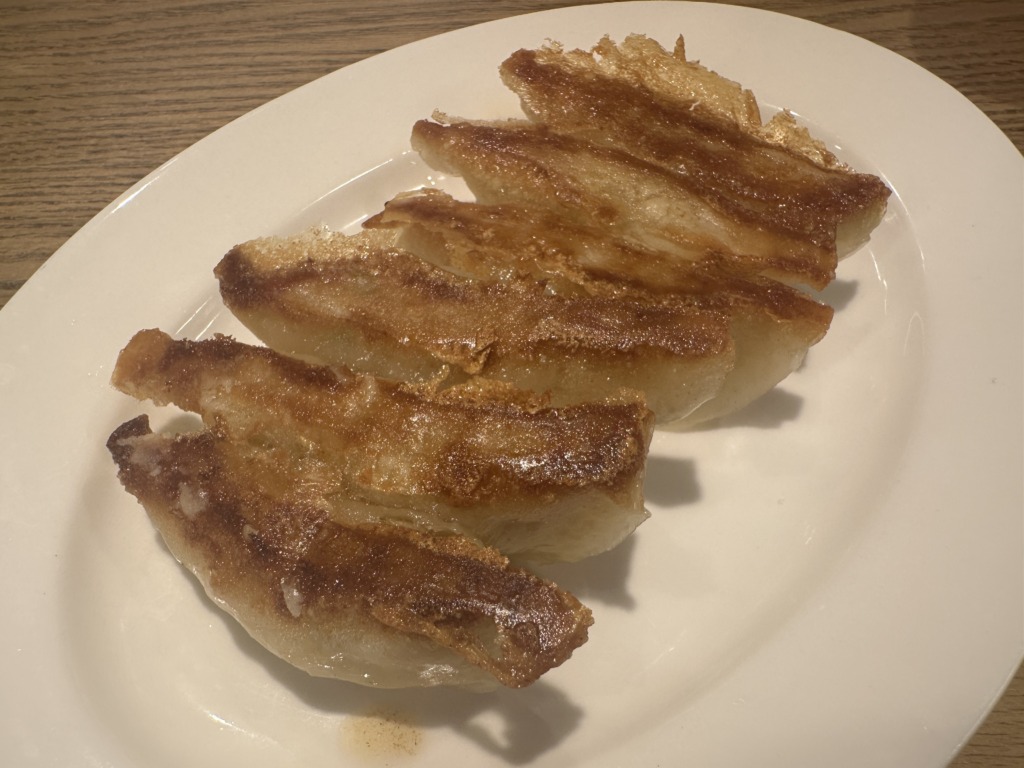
(515, 725)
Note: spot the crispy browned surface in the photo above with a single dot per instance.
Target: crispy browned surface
(494, 442)
(641, 174)
(361, 302)
(483, 460)
(291, 568)
(663, 152)
(771, 324)
(499, 241)
(529, 163)
(464, 322)
(728, 164)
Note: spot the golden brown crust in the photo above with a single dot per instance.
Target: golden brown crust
(642, 62)
(391, 293)
(771, 324)
(291, 567)
(664, 152)
(463, 447)
(483, 459)
(359, 302)
(529, 163)
(506, 240)
(737, 171)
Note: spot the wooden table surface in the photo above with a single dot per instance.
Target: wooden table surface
(94, 95)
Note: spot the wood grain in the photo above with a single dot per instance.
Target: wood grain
(94, 95)
(97, 94)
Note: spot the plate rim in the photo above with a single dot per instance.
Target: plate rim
(28, 302)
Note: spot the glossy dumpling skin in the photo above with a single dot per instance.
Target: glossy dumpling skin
(363, 302)
(663, 152)
(483, 460)
(793, 204)
(377, 604)
(771, 325)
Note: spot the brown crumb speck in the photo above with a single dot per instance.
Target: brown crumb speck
(380, 735)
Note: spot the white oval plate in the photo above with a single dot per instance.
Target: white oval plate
(832, 577)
